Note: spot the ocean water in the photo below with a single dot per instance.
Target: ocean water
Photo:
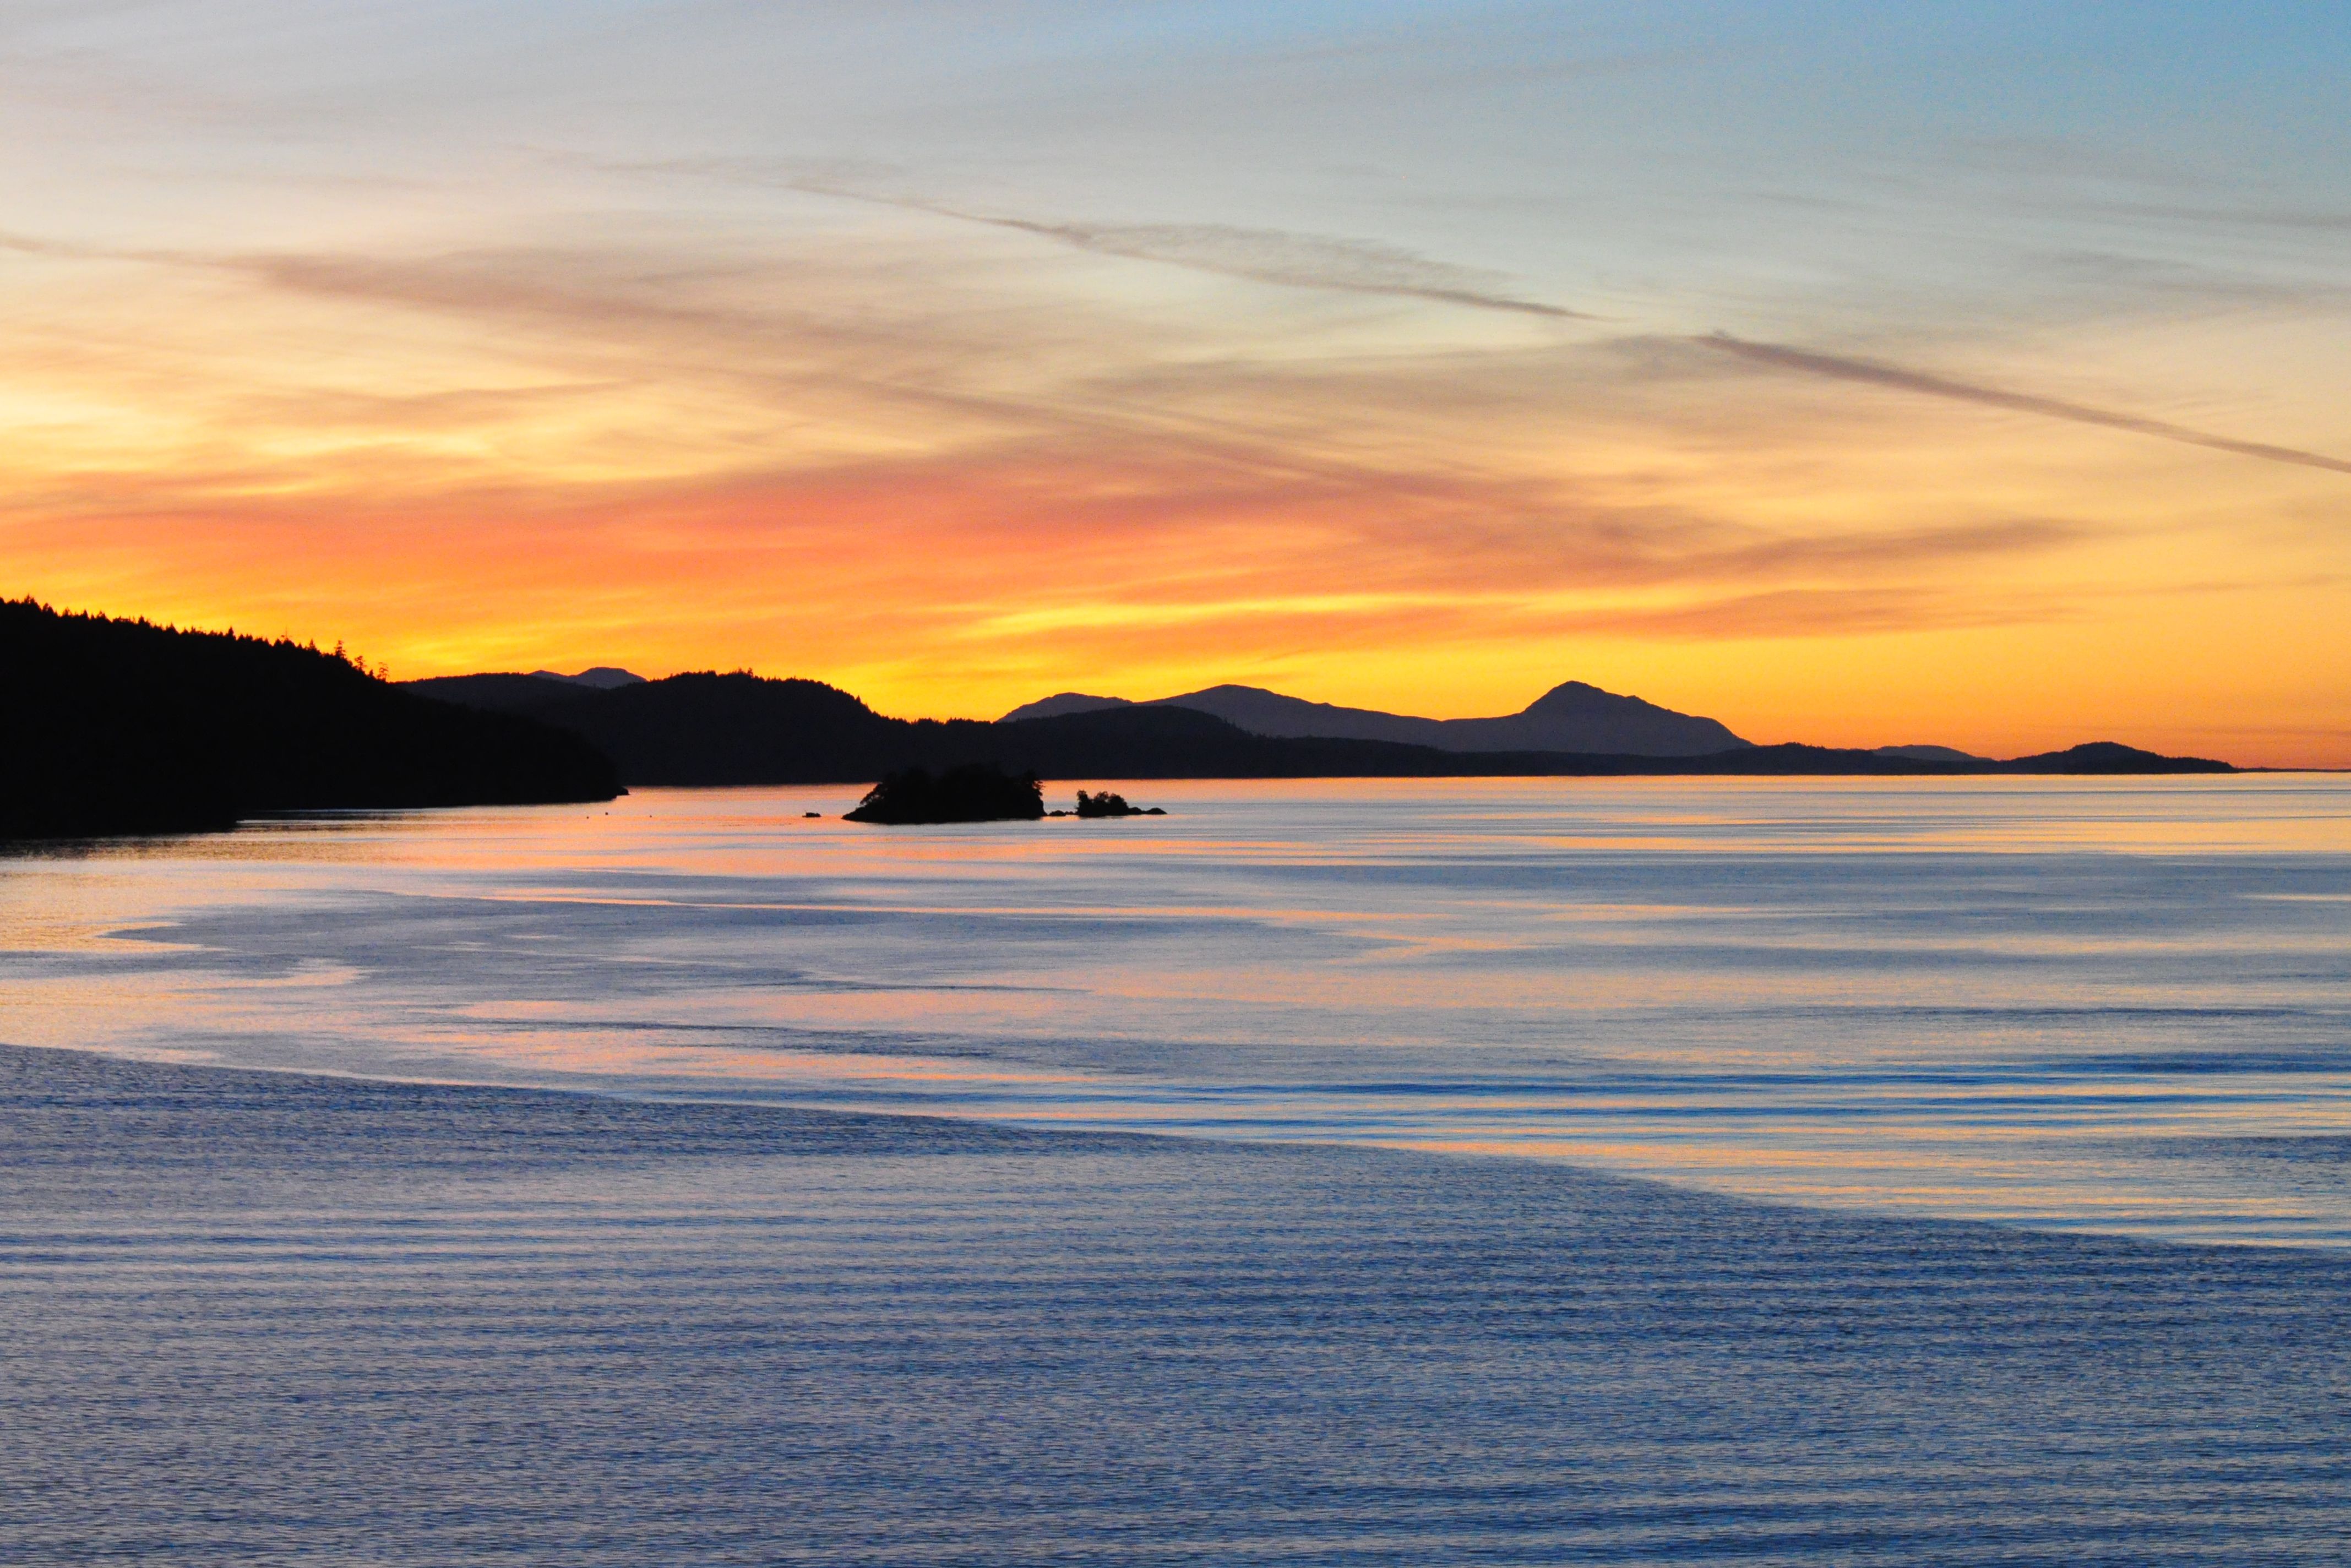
(278, 1319)
(1649, 1173)
(2119, 1006)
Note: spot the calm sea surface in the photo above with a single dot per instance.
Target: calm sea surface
(297, 1319)
(2095, 1005)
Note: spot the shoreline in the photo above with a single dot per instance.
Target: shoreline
(37, 847)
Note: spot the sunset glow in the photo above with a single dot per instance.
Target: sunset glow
(1847, 377)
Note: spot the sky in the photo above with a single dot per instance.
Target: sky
(1859, 373)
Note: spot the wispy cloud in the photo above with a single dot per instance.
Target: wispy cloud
(1296, 261)
(852, 383)
(940, 464)
(1842, 368)
(1814, 613)
(1362, 267)
(1322, 262)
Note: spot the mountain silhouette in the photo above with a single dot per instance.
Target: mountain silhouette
(710, 728)
(121, 726)
(1061, 702)
(1930, 753)
(511, 692)
(1573, 716)
(603, 677)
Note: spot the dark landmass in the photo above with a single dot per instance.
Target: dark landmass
(1061, 702)
(742, 729)
(503, 692)
(604, 678)
(121, 727)
(974, 793)
(1106, 804)
(1571, 716)
(1795, 760)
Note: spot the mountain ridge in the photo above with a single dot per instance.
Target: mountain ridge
(602, 677)
(1573, 716)
(708, 728)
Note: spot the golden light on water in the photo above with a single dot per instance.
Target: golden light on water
(2081, 1003)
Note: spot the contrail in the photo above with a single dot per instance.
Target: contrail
(1262, 256)
(1270, 256)
(1841, 369)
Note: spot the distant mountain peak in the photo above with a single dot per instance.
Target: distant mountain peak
(1574, 716)
(1061, 702)
(1579, 698)
(602, 678)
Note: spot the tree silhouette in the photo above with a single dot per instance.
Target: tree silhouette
(113, 727)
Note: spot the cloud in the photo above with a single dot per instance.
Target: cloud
(1839, 366)
(1296, 261)
(1359, 267)
(922, 453)
(1292, 260)
(859, 383)
(1814, 612)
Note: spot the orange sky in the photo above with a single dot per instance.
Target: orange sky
(956, 432)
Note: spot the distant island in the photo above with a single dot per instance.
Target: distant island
(121, 726)
(975, 792)
(1103, 803)
(741, 729)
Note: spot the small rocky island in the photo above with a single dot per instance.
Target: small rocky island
(1106, 804)
(975, 792)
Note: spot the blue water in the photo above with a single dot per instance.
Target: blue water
(2108, 1004)
(1748, 1150)
(276, 1318)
